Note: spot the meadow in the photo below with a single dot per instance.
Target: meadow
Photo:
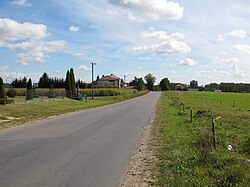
(21, 112)
(184, 150)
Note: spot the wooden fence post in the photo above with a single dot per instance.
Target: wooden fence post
(213, 131)
(191, 114)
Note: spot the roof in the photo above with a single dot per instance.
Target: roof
(109, 78)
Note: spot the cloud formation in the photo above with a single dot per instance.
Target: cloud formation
(21, 3)
(83, 67)
(243, 48)
(188, 62)
(74, 29)
(166, 43)
(31, 38)
(150, 9)
(236, 33)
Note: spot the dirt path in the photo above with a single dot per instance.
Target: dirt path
(139, 174)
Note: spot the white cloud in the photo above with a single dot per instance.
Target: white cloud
(233, 65)
(32, 37)
(25, 58)
(220, 38)
(4, 68)
(188, 62)
(242, 48)
(150, 9)
(10, 30)
(165, 43)
(37, 46)
(238, 33)
(144, 58)
(74, 29)
(83, 67)
(21, 3)
(173, 72)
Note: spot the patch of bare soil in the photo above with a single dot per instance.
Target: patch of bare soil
(139, 174)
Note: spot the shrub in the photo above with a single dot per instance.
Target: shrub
(9, 101)
(51, 93)
(11, 93)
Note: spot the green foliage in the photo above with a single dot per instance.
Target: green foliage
(150, 80)
(68, 85)
(29, 95)
(11, 92)
(165, 84)
(72, 81)
(1, 88)
(140, 84)
(193, 84)
(107, 92)
(185, 155)
(9, 101)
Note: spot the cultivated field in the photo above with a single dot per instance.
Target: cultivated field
(185, 151)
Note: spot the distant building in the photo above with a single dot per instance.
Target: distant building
(217, 90)
(109, 81)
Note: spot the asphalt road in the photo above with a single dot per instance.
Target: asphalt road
(88, 148)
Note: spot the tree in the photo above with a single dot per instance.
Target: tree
(140, 84)
(68, 85)
(194, 84)
(1, 88)
(97, 78)
(44, 81)
(133, 82)
(150, 79)
(29, 95)
(165, 84)
(72, 81)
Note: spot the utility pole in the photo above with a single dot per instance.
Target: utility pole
(125, 80)
(93, 79)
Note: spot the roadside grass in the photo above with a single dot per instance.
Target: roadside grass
(184, 151)
(16, 114)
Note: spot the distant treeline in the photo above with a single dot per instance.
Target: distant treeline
(47, 82)
(228, 87)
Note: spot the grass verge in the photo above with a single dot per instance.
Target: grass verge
(184, 151)
(16, 114)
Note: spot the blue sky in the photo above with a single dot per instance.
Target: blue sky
(182, 40)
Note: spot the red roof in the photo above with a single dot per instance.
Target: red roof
(109, 78)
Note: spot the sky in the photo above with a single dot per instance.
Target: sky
(208, 41)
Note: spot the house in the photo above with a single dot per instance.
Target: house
(109, 81)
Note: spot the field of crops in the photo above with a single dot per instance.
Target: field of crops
(186, 152)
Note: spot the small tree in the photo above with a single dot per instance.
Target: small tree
(165, 84)
(1, 88)
(140, 84)
(72, 81)
(150, 79)
(68, 85)
(29, 95)
(194, 84)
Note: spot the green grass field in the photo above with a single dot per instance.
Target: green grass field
(185, 152)
(16, 114)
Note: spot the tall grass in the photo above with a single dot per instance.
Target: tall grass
(185, 152)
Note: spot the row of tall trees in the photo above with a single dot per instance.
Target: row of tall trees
(70, 83)
(228, 87)
(49, 82)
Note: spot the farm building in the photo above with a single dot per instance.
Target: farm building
(109, 81)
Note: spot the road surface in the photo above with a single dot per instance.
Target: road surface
(87, 148)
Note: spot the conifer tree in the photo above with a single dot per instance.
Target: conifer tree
(1, 88)
(29, 95)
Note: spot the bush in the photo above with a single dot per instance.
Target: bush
(11, 93)
(9, 101)
(51, 94)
